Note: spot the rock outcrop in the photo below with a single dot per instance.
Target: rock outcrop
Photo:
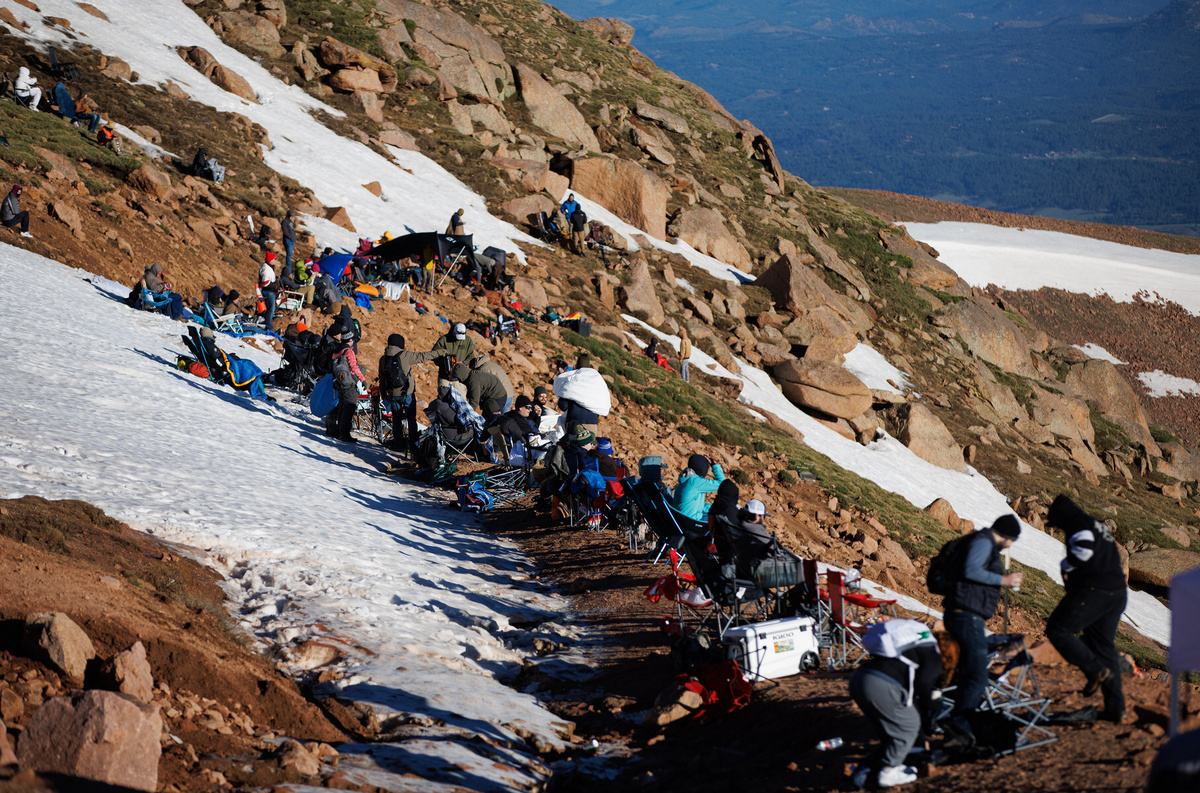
(628, 190)
(251, 31)
(925, 270)
(639, 298)
(704, 230)
(1100, 383)
(823, 387)
(553, 112)
(924, 434)
(54, 638)
(1157, 566)
(355, 70)
(990, 335)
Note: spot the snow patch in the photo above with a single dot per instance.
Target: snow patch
(1098, 352)
(1160, 384)
(868, 365)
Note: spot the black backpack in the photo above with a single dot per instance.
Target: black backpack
(393, 374)
(946, 569)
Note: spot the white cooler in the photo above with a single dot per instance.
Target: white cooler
(778, 648)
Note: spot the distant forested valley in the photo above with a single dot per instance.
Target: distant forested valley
(1086, 118)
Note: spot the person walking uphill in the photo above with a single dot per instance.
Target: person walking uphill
(1083, 626)
(456, 228)
(694, 484)
(11, 213)
(396, 382)
(970, 602)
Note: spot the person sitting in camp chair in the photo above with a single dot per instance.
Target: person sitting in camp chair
(444, 413)
(694, 483)
(153, 293)
(66, 109)
(205, 167)
(742, 539)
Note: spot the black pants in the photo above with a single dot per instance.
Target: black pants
(341, 418)
(404, 422)
(1083, 628)
(21, 217)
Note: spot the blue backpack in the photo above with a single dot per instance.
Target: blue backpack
(324, 397)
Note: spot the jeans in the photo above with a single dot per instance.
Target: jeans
(683, 370)
(1082, 629)
(93, 120)
(971, 677)
(508, 403)
(288, 247)
(21, 218)
(269, 314)
(404, 422)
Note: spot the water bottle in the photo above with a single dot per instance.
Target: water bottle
(831, 743)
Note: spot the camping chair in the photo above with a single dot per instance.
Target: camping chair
(382, 408)
(456, 259)
(155, 301)
(547, 230)
(512, 478)
(217, 371)
(586, 494)
(289, 301)
(62, 71)
(456, 448)
(692, 604)
(1012, 693)
(736, 600)
(840, 635)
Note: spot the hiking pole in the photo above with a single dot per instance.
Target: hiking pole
(1005, 591)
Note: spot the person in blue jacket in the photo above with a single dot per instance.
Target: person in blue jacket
(569, 206)
(694, 483)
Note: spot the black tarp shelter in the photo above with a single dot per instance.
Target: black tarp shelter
(451, 251)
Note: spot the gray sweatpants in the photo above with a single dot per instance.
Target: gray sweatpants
(883, 701)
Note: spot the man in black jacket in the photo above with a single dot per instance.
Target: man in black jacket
(287, 230)
(971, 602)
(1084, 624)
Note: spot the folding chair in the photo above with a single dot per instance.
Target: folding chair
(840, 634)
(62, 71)
(735, 600)
(289, 301)
(691, 602)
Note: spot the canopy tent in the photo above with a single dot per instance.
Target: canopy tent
(1184, 654)
(450, 250)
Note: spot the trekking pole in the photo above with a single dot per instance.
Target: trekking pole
(1005, 591)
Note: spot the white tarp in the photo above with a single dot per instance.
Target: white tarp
(585, 387)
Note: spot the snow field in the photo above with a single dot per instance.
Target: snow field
(428, 613)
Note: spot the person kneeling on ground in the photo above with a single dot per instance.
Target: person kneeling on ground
(694, 483)
(971, 602)
(11, 213)
(896, 689)
(1083, 627)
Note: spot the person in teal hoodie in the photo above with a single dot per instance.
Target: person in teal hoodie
(688, 497)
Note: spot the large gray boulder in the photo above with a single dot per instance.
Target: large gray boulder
(823, 387)
(54, 638)
(553, 112)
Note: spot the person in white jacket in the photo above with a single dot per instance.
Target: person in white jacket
(26, 87)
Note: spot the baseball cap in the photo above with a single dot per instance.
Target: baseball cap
(460, 330)
(756, 507)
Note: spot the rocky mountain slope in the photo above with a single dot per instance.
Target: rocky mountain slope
(522, 103)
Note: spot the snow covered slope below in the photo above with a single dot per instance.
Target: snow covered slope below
(429, 612)
(1031, 259)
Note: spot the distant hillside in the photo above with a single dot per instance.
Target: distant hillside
(1093, 122)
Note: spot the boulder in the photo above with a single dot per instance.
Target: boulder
(339, 216)
(338, 56)
(892, 554)
(824, 387)
(530, 175)
(446, 25)
(614, 31)
(202, 59)
(459, 118)
(54, 638)
(552, 112)
(828, 257)
(699, 308)
(96, 735)
(234, 83)
(350, 80)
(392, 42)
(129, 673)
(674, 703)
(1104, 386)
(990, 335)
(60, 167)
(7, 755)
(370, 104)
(118, 69)
(639, 298)
(294, 756)
(631, 192)
(772, 354)
(821, 330)
(924, 434)
(68, 215)
(251, 31)
(1157, 566)
(1178, 535)
(704, 230)
(274, 11)
(531, 293)
(664, 118)
(925, 270)
(525, 209)
(490, 118)
(942, 510)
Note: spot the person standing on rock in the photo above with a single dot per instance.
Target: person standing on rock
(578, 223)
(1083, 627)
(972, 601)
(685, 354)
(456, 227)
(11, 213)
(287, 230)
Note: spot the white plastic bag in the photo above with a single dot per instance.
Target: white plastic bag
(585, 387)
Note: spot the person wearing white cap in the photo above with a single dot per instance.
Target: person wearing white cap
(456, 347)
(756, 549)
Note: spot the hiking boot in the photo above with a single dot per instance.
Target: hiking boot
(1115, 718)
(859, 777)
(1094, 681)
(895, 775)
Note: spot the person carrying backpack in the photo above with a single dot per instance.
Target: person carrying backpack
(578, 223)
(397, 384)
(973, 591)
(895, 690)
(1083, 626)
(348, 380)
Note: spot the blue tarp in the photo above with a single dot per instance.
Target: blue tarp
(336, 264)
(324, 397)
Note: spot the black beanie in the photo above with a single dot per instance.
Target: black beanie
(728, 491)
(396, 340)
(699, 464)
(1065, 513)
(1007, 526)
